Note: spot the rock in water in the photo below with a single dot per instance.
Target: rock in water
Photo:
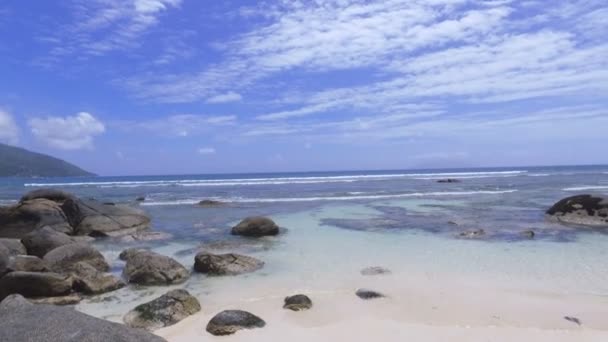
(24, 217)
(43, 240)
(375, 270)
(63, 259)
(586, 210)
(225, 264)
(163, 311)
(368, 294)
(34, 284)
(298, 302)
(528, 233)
(256, 227)
(27, 263)
(472, 234)
(230, 321)
(448, 180)
(210, 203)
(23, 321)
(149, 268)
(14, 246)
(90, 217)
(89, 280)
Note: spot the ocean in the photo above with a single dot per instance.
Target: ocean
(336, 223)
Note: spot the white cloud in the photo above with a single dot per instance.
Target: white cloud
(67, 133)
(206, 150)
(9, 132)
(226, 97)
(181, 125)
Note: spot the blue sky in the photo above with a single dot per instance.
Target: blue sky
(200, 86)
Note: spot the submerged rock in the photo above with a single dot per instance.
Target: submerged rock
(472, 234)
(225, 264)
(64, 258)
(89, 280)
(586, 210)
(24, 321)
(163, 311)
(149, 268)
(256, 226)
(297, 302)
(43, 240)
(528, 233)
(368, 294)
(230, 321)
(35, 284)
(375, 270)
(448, 180)
(15, 247)
(211, 203)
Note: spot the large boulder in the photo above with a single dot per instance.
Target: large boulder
(14, 246)
(225, 264)
(149, 268)
(63, 259)
(35, 284)
(89, 280)
(586, 210)
(90, 217)
(24, 217)
(54, 195)
(230, 321)
(255, 227)
(163, 311)
(43, 240)
(4, 259)
(23, 321)
(27, 263)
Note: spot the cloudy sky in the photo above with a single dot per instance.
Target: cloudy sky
(201, 86)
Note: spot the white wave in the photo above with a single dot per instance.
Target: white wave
(276, 180)
(8, 202)
(587, 187)
(539, 174)
(332, 198)
(469, 177)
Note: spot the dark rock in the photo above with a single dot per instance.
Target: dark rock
(18, 220)
(49, 194)
(14, 246)
(225, 264)
(90, 217)
(368, 294)
(43, 240)
(163, 311)
(140, 199)
(89, 280)
(528, 234)
(298, 302)
(62, 259)
(4, 259)
(573, 320)
(230, 321)
(375, 270)
(448, 180)
(71, 299)
(23, 321)
(255, 227)
(27, 263)
(35, 284)
(586, 210)
(210, 203)
(149, 268)
(472, 234)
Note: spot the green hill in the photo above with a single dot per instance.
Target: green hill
(18, 162)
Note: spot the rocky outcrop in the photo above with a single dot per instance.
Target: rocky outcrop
(24, 217)
(27, 263)
(23, 321)
(369, 294)
(230, 321)
(35, 284)
(298, 302)
(43, 240)
(64, 258)
(14, 246)
(225, 264)
(256, 226)
(585, 210)
(163, 311)
(375, 270)
(149, 268)
(89, 280)
(89, 217)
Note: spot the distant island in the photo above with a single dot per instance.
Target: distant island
(19, 162)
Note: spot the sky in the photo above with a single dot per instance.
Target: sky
(132, 87)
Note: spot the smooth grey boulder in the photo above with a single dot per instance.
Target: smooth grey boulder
(4, 259)
(23, 321)
(163, 311)
(149, 268)
(18, 220)
(256, 226)
(90, 217)
(89, 280)
(43, 240)
(14, 246)
(35, 284)
(369, 294)
(297, 302)
(62, 259)
(585, 210)
(27, 263)
(230, 321)
(225, 264)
